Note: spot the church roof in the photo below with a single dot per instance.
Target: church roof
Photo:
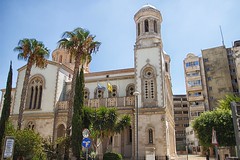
(148, 6)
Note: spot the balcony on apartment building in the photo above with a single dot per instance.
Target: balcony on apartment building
(192, 68)
(197, 106)
(195, 97)
(119, 102)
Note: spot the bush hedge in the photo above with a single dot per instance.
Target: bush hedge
(112, 156)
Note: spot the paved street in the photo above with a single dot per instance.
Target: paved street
(192, 157)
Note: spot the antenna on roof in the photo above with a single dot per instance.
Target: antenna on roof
(222, 35)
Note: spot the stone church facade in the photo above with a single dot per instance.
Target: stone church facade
(46, 102)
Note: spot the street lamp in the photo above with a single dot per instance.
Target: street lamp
(136, 93)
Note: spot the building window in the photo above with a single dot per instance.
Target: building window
(60, 131)
(113, 93)
(70, 59)
(150, 136)
(146, 25)
(191, 64)
(35, 90)
(155, 26)
(193, 74)
(86, 93)
(209, 78)
(130, 134)
(149, 87)
(30, 125)
(207, 69)
(185, 112)
(60, 59)
(194, 83)
(166, 66)
(205, 59)
(98, 93)
(138, 29)
(130, 90)
(209, 88)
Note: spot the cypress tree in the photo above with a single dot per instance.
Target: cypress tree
(77, 121)
(6, 107)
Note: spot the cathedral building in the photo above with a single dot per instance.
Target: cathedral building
(147, 87)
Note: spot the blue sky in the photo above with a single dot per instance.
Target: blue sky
(188, 27)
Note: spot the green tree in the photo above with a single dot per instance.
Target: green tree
(107, 123)
(80, 44)
(225, 103)
(6, 107)
(28, 144)
(77, 122)
(35, 53)
(221, 121)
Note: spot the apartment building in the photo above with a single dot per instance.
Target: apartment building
(195, 85)
(217, 73)
(181, 117)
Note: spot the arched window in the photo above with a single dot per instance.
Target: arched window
(60, 59)
(138, 29)
(35, 93)
(166, 66)
(155, 26)
(70, 59)
(130, 134)
(86, 93)
(149, 87)
(98, 93)
(113, 93)
(149, 84)
(130, 90)
(60, 131)
(30, 125)
(150, 136)
(146, 25)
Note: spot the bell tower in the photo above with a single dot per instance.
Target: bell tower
(148, 26)
(153, 86)
(62, 56)
(149, 57)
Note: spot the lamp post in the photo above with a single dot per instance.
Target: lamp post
(136, 93)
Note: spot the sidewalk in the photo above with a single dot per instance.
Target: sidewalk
(192, 157)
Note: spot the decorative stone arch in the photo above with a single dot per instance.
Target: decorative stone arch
(61, 130)
(130, 89)
(38, 75)
(149, 86)
(36, 86)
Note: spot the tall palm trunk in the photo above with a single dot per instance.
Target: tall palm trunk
(24, 93)
(70, 106)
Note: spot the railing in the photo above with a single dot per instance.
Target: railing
(195, 98)
(156, 158)
(107, 102)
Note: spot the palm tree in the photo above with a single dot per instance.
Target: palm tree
(34, 52)
(80, 44)
(107, 123)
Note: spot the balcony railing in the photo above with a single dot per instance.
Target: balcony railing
(196, 98)
(118, 102)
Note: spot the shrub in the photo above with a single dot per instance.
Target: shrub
(111, 156)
